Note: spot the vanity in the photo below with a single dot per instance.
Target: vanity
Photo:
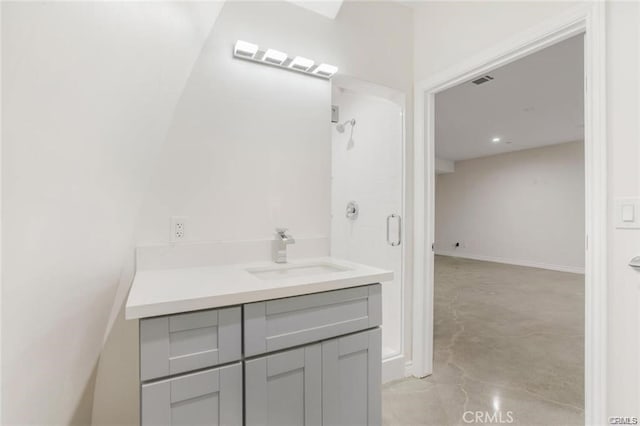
(260, 344)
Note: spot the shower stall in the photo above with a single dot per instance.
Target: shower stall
(367, 191)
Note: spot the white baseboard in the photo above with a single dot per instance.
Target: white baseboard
(531, 264)
(408, 369)
(393, 369)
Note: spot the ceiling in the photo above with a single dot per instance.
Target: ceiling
(532, 102)
(326, 8)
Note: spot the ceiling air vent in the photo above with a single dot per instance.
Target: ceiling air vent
(482, 80)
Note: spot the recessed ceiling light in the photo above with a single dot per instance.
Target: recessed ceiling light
(275, 56)
(300, 63)
(246, 49)
(495, 140)
(326, 70)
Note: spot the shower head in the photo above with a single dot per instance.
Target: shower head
(340, 127)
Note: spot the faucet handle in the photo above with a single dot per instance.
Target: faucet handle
(281, 231)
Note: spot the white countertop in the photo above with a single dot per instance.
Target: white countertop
(167, 291)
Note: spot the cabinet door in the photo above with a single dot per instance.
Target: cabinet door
(209, 397)
(285, 388)
(351, 379)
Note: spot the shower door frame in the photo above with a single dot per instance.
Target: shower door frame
(397, 366)
(587, 19)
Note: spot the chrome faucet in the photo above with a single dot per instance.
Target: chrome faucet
(283, 239)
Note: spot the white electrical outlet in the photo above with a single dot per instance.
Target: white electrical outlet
(178, 228)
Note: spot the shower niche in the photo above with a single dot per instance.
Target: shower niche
(367, 196)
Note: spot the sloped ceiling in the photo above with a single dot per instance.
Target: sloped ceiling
(327, 8)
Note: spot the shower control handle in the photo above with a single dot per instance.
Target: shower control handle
(399, 240)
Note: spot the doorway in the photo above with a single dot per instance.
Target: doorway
(509, 239)
(587, 20)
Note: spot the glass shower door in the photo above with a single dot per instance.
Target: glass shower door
(367, 197)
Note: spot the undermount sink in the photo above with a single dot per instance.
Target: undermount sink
(295, 270)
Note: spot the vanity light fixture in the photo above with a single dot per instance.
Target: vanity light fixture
(325, 70)
(274, 56)
(495, 140)
(300, 63)
(245, 49)
(252, 52)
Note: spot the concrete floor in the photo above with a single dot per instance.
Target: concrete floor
(509, 344)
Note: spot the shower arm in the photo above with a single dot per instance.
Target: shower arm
(340, 126)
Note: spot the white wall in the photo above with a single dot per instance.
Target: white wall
(249, 146)
(524, 208)
(89, 89)
(623, 136)
(444, 166)
(448, 33)
(1, 258)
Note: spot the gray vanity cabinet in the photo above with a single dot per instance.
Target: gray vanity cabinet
(312, 360)
(208, 397)
(285, 388)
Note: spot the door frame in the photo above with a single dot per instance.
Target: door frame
(587, 19)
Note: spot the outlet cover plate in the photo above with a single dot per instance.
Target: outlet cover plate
(178, 231)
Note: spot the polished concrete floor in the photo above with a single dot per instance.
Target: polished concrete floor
(508, 348)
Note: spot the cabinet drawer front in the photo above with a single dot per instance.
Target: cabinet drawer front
(179, 343)
(284, 323)
(212, 397)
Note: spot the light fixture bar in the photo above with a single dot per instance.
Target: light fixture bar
(275, 57)
(252, 52)
(245, 49)
(326, 70)
(301, 64)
